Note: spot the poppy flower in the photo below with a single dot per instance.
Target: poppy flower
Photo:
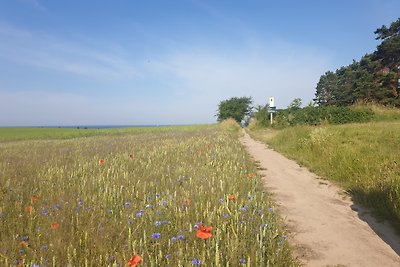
(251, 175)
(28, 210)
(204, 232)
(135, 260)
(34, 199)
(232, 197)
(102, 161)
(55, 226)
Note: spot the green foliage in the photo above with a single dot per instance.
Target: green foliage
(373, 79)
(261, 116)
(295, 104)
(97, 201)
(316, 115)
(362, 158)
(237, 108)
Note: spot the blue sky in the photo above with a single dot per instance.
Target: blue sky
(171, 62)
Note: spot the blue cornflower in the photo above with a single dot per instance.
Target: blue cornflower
(168, 256)
(249, 197)
(127, 204)
(156, 235)
(157, 223)
(164, 202)
(181, 237)
(221, 200)
(157, 195)
(196, 227)
(57, 206)
(196, 262)
(44, 247)
(242, 260)
(44, 211)
(130, 222)
(173, 239)
(24, 238)
(139, 214)
(149, 206)
(111, 259)
(164, 222)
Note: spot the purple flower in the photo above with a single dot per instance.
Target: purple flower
(221, 200)
(57, 206)
(127, 204)
(44, 211)
(173, 239)
(24, 238)
(44, 247)
(181, 237)
(130, 222)
(111, 259)
(196, 227)
(157, 195)
(168, 256)
(157, 223)
(242, 260)
(139, 214)
(196, 262)
(149, 206)
(249, 197)
(156, 235)
(164, 222)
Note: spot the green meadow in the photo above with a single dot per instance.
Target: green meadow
(362, 158)
(175, 196)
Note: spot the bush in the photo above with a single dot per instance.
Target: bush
(317, 115)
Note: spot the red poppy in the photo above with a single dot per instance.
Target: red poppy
(28, 209)
(204, 232)
(102, 161)
(135, 260)
(34, 199)
(232, 197)
(55, 226)
(251, 175)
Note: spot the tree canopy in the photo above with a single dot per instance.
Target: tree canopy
(373, 78)
(238, 108)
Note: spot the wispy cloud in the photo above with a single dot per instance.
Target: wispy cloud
(45, 51)
(34, 3)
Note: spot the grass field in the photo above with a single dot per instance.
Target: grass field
(176, 197)
(16, 134)
(363, 158)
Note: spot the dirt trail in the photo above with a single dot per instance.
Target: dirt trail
(325, 226)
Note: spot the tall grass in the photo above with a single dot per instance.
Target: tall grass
(99, 201)
(363, 158)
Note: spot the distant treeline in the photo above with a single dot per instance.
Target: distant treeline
(375, 78)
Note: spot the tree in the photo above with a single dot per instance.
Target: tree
(238, 108)
(295, 104)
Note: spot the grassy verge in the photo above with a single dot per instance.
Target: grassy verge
(362, 158)
(113, 199)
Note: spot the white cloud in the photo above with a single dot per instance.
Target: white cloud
(45, 51)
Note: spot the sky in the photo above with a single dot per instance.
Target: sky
(159, 62)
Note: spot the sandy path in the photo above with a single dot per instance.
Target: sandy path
(324, 226)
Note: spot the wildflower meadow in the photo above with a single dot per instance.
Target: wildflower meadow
(181, 197)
